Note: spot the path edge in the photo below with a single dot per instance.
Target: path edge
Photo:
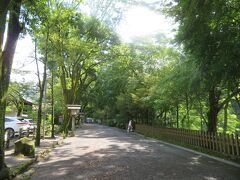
(192, 151)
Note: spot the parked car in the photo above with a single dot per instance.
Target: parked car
(89, 120)
(13, 126)
(31, 125)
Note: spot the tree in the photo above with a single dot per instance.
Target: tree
(41, 86)
(112, 82)
(19, 93)
(41, 26)
(108, 11)
(77, 45)
(209, 32)
(6, 56)
(52, 66)
(125, 86)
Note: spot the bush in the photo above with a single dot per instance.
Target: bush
(5, 173)
(112, 123)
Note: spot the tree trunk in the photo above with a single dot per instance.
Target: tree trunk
(225, 119)
(44, 109)
(3, 17)
(214, 96)
(42, 88)
(39, 118)
(19, 110)
(165, 119)
(187, 113)
(65, 92)
(147, 114)
(2, 115)
(52, 132)
(177, 112)
(6, 59)
(201, 114)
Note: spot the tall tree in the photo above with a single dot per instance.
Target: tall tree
(209, 31)
(40, 28)
(41, 85)
(78, 44)
(6, 56)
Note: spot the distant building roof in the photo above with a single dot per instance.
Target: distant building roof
(26, 102)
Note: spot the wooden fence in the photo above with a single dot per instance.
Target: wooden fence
(225, 144)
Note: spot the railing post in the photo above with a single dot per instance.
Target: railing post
(237, 144)
(213, 141)
(232, 144)
(228, 145)
(220, 142)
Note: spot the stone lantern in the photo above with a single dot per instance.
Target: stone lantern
(74, 110)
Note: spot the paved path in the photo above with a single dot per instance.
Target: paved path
(99, 152)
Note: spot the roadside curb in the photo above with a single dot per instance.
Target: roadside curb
(192, 151)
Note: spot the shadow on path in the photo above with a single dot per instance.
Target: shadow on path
(99, 152)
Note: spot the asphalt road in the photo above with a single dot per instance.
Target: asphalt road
(100, 152)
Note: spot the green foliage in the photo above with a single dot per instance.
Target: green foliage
(148, 84)
(209, 34)
(5, 173)
(76, 46)
(148, 80)
(108, 11)
(19, 92)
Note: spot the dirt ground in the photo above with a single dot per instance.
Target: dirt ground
(100, 153)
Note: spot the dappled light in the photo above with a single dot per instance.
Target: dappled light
(131, 87)
(210, 178)
(195, 160)
(100, 152)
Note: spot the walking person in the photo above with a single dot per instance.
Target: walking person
(130, 128)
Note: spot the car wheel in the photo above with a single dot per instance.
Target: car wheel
(10, 132)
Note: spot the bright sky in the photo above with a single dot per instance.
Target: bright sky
(24, 61)
(139, 21)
